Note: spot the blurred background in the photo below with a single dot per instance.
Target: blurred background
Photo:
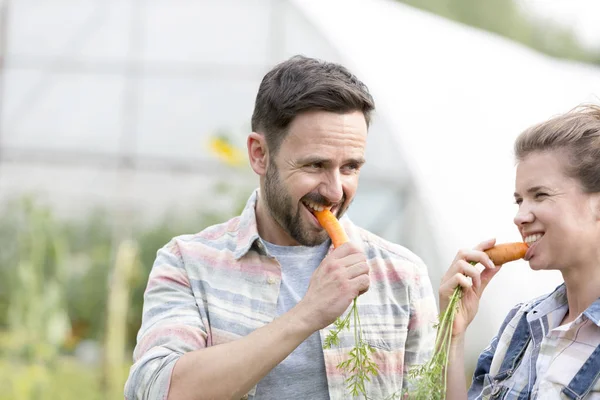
(123, 124)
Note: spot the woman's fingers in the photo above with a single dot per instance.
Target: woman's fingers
(448, 286)
(475, 256)
(486, 244)
(459, 279)
(468, 270)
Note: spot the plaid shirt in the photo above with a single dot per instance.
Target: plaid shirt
(220, 284)
(533, 357)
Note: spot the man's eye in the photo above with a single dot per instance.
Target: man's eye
(352, 167)
(316, 165)
(540, 195)
(518, 201)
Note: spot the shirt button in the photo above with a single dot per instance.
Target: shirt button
(270, 281)
(496, 391)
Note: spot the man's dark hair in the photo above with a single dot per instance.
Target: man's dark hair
(302, 84)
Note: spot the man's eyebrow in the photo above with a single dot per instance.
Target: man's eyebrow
(359, 161)
(315, 159)
(312, 160)
(533, 189)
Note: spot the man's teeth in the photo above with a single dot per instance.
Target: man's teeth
(533, 238)
(316, 207)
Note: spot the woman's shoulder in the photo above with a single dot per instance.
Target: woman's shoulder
(520, 309)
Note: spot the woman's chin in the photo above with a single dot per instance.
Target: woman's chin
(536, 264)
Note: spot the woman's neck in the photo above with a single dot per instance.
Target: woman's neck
(583, 288)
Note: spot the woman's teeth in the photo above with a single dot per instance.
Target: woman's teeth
(533, 238)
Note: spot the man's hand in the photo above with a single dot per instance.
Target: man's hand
(342, 276)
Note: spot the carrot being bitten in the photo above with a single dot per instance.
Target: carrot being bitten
(507, 252)
(333, 227)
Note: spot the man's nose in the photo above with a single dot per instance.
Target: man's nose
(332, 187)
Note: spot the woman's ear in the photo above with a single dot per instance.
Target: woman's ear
(258, 153)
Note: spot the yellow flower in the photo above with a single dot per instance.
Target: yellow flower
(225, 151)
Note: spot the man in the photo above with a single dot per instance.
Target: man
(241, 309)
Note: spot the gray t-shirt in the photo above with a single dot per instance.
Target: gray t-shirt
(302, 374)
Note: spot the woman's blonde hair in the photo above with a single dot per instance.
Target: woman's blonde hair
(577, 133)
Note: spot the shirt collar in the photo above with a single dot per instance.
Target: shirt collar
(548, 303)
(246, 231)
(557, 299)
(593, 312)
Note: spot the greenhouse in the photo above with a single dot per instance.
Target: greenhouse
(119, 105)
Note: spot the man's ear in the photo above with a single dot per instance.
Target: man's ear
(596, 205)
(258, 153)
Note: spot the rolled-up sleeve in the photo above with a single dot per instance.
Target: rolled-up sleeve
(171, 326)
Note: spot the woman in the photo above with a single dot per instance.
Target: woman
(549, 347)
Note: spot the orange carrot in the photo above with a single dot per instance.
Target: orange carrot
(330, 223)
(507, 252)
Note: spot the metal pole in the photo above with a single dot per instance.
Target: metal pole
(129, 118)
(123, 265)
(3, 41)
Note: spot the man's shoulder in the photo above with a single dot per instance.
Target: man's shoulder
(214, 235)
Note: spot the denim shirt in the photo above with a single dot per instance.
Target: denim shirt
(534, 357)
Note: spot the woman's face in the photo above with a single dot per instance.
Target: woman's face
(557, 218)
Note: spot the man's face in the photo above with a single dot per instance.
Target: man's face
(318, 164)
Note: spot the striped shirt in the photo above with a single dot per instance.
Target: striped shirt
(219, 285)
(552, 354)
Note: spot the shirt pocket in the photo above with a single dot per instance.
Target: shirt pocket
(387, 351)
(559, 375)
(386, 338)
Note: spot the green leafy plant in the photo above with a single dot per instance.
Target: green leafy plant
(428, 381)
(359, 364)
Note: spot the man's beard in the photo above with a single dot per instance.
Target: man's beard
(280, 206)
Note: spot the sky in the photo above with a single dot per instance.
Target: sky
(582, 16)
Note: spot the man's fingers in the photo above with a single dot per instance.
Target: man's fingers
(360, 268)
(361, 283)
(345, 250)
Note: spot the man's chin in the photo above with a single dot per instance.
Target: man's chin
(313, 239)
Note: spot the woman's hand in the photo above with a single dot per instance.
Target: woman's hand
(473, 282)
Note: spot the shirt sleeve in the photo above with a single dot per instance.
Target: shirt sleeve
(420, 339)
(171, 326)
